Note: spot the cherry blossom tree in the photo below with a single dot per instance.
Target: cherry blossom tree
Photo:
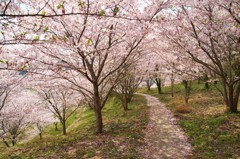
(13, 123)
(146, 69)
(4, 94)
(62, 102)
(10, 79)
(89, 56)
(85, 43)
(23, 20)
(222, 50)
(15, 116)
(40, 118)
(158, 76)
(183, 70)
(128, 84)
(208, 32)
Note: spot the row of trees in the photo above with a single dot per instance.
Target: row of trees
(87, 44)
(203, 36)
(90, 46)
(37, 104)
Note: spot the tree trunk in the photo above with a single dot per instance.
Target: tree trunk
(187, 86)
(172, 87)
(230, 97)
(159, 85)
(129, 98)
(186, 100)
(64, 127)
(125, 101)
(225, 94)
(99, 123)
(148, 86)
(236, 97)
(233, 98)
(97, 110)
(5, 142)
(233, 108)
(40, 135)
(206, 85)
(13, 141)
(125, 105)
(159, 89)
(199, 80)
(56, 126)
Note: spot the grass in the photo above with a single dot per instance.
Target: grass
(123, 132)
(213, 133)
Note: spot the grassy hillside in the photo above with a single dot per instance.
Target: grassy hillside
(212, 132)
(123, 132)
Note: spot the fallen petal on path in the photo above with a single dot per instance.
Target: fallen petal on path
(163, 137)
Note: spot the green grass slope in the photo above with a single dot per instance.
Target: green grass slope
(123, 133)
(213, 132)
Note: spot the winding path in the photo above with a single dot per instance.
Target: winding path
(163, 137)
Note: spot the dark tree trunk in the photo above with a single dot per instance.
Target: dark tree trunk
(64, 127)
(232, 105)
(186, 100)
(199, 80)
(6, 143)
(236, 97)
(159, 89)
(231, 95)
(205, 78)
(159, 85)
(40, 136)
(187, 86)
(172, 87)
(99, 123)
(129, 98)
(148, 86)
(225, 94)
(13, 141)
(233, 108)
(125, 104)
(206, 85)
(98, 110)
(126, 101)
(56, 126)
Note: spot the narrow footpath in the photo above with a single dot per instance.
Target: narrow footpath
(164, 139)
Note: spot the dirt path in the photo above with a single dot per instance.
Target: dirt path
(164, 139)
